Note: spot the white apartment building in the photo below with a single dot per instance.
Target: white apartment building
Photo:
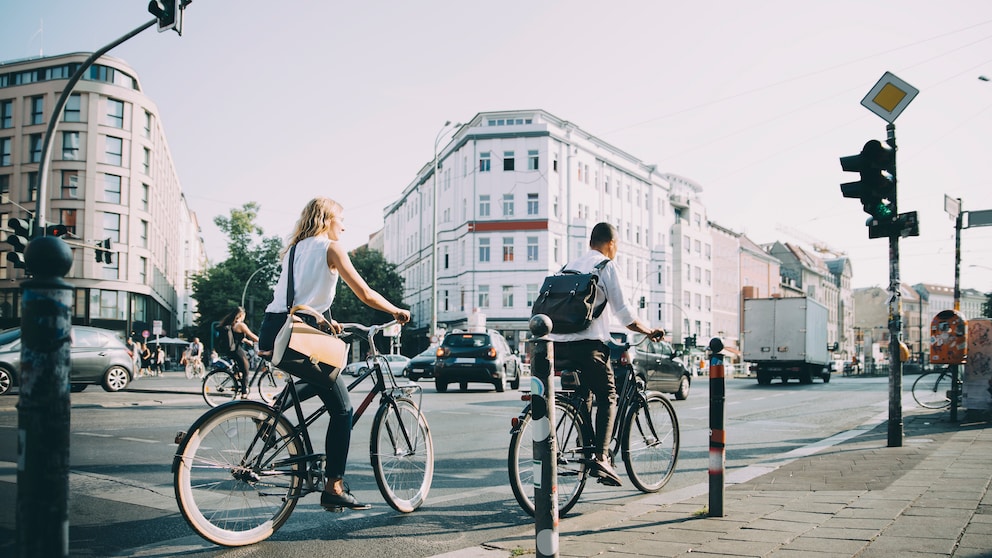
(111, 176)
(518, 195)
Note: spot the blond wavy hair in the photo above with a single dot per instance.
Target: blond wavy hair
(314, 220)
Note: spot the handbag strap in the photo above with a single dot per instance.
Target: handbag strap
(290, 284)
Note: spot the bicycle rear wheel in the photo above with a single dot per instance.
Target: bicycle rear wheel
(930, 390)
(233, 486)
(573, 443)
(270, 384)
(650, 444)
(402, 454)
(219, 387)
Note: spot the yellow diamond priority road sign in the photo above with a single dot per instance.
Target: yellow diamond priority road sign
(889, 97)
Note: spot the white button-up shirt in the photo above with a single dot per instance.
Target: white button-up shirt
(609, 280)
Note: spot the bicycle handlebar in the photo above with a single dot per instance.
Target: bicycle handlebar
(369, 330)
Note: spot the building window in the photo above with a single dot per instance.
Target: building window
(508, 205)
(146, 161)
(112, 188)
(4, 191)
(112, 226)
(70, 146)
(483, 296)
(483, 249)
(556, 250)
(533, 161)
(148, 125)
(115, 113)
(70, 184)
(532, 248)
(531, 294)
(507, 296)
(35, 141)
(484, 162)
(114, 154)
(143, 234)
(144, 197)
(143, 270)
(483, 205)
(508, 161)
(72, 112)
(67, 217)
(6, 114)
(37, 110)
(532, 204)
(5, 152)
(507, 248)
(32, 178)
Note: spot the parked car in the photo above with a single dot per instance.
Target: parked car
(655, 363)
(485, 357)
(396, 366)
(422, 365)
(96, 356)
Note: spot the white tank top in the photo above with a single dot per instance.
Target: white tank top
(315, 282)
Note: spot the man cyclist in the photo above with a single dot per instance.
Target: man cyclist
(588, 351)
(194, 358)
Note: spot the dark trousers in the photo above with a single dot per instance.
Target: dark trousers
(337, 440)
(592, 359)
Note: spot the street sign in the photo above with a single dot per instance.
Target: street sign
(889, 97)
(157, 327)
(979, 218)
(144, 334)
(952, 206)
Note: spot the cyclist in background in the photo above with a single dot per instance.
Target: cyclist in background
(318, 261)
(236, 321)
(588, 351)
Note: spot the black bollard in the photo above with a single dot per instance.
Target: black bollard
(43, 406)
(718, 435)
(542, 409)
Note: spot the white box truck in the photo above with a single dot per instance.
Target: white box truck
(786, 338)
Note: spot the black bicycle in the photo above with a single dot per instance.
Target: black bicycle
(223, 383)
(243, 466)
(932, 389)
(645, 435)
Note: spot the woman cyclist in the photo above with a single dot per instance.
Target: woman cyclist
(240, 332)
(318, 260)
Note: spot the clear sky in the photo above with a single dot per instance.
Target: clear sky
(276, 102)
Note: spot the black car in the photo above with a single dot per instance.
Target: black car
(422, 365)
(97, 356)
(485, 357)
(655, 363)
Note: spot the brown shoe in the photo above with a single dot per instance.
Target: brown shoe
(602, 470)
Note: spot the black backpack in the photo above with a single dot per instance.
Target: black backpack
(568, 298)
(224, 342)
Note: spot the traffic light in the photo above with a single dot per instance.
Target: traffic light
(103, 253)
(22, 231)
(877, 188)
(169, 14)
(59, 230)
(689, 341)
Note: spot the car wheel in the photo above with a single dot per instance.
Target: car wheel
(440, 386)
(463, 386)
(515, 382)
(115, 379)
(501, 383)
(76, 388)
(414, 377)
(6, 380)
(826, 378)
(683, 393)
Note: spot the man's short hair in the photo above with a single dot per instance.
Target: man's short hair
(601, 234)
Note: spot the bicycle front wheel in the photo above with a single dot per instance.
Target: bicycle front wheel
(238, 475)
(402, 454)
(930, 390)
(270, 384)
(573, 443)
(650, 442)
(219, 387)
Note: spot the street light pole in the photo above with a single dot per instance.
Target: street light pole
(434, 197)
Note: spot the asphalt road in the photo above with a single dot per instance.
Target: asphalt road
(122, 501)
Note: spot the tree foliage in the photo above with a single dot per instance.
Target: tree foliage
(251, 256)
(381, 276)
(987, 307)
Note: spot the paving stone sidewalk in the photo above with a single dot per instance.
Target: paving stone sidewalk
(860, 498)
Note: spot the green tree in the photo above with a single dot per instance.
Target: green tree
(987, 307)
(381, 276)
(219, 289)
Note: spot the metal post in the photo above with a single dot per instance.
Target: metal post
(43, 406)
(718, 435)
(957, 257)
(955, 390)
(895, 426)
(542, 408)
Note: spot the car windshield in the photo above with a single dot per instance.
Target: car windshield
(10, 335)
(429, 351)
(467, 340)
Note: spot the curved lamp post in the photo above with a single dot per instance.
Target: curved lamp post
(245, 290)
(437, 139)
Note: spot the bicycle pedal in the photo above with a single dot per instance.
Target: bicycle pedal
(334, 509)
